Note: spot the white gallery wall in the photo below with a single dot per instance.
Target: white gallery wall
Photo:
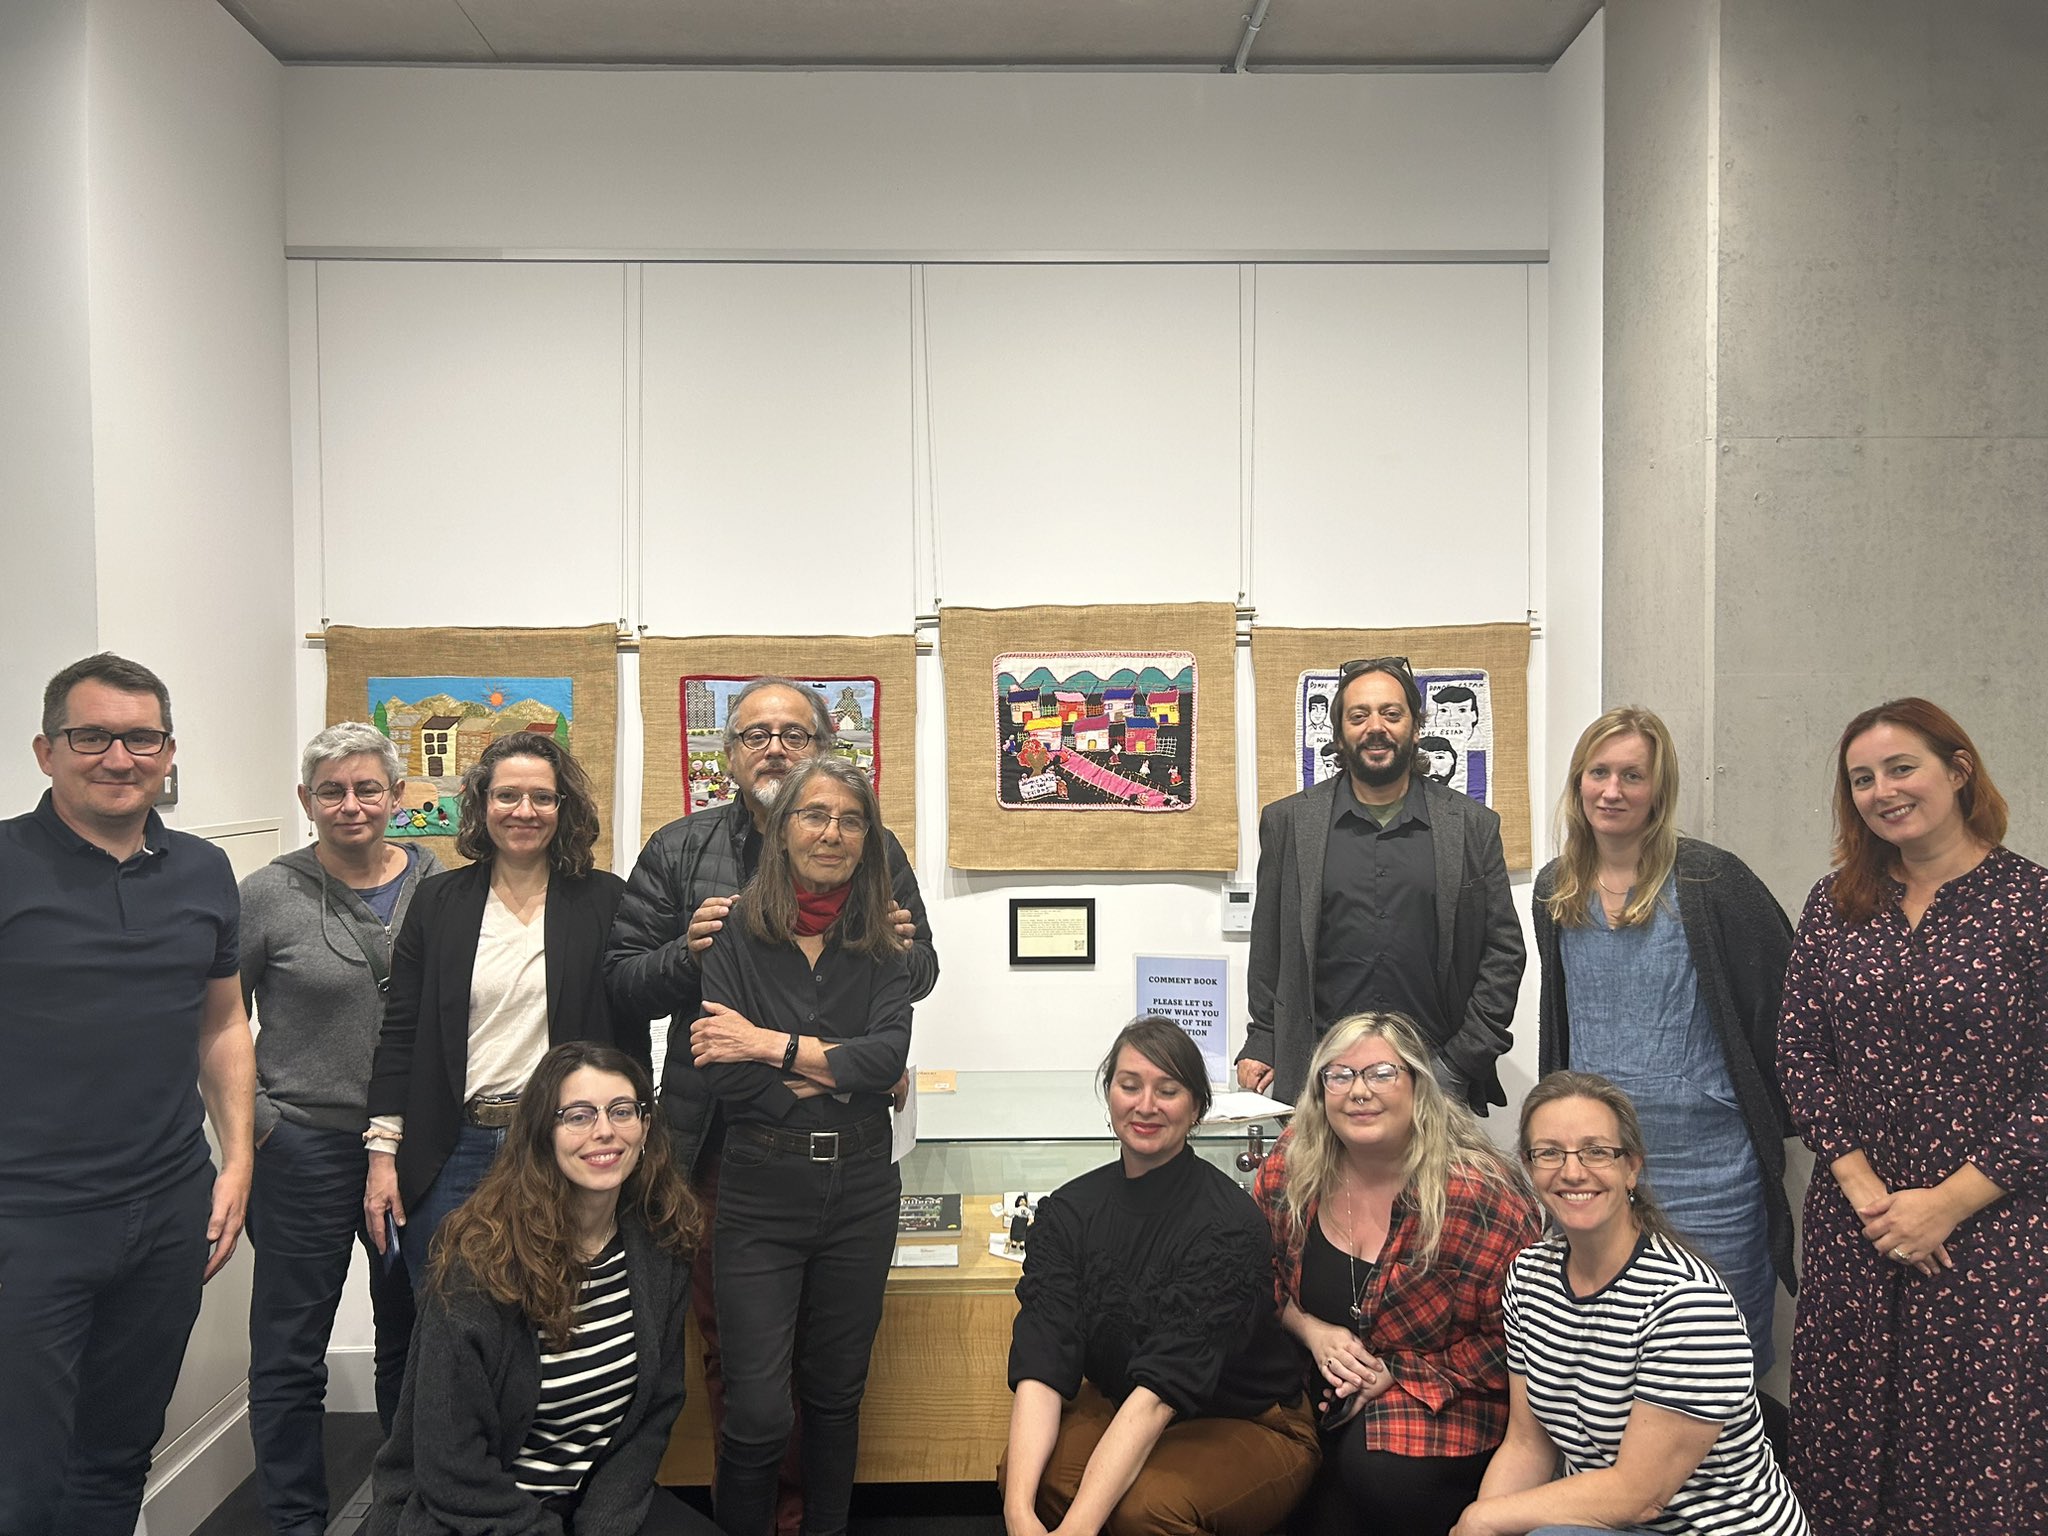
(786, 354)
(145, 465)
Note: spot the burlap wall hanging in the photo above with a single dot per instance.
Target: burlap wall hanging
(868, 683)
(1475, 729)
(1091, 737)
(443, 695)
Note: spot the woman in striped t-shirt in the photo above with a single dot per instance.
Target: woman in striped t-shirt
(1627, 1357)
(547, 1362)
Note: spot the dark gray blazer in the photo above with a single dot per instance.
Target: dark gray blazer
(471, 1386)
(1479, 953)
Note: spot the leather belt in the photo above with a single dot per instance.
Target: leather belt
(492, 1113)
(864, 1138)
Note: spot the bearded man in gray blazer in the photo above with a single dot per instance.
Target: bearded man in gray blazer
(1379, 891)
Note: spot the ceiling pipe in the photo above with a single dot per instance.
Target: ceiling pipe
(1251, 31)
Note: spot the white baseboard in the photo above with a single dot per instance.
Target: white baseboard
(194, 1473)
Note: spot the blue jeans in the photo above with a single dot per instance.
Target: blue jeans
(95, 1309)
(305, 1216)
(476, 1148)
(801, 1254)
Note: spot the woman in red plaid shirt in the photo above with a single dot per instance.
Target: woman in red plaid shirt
(1394, 1223)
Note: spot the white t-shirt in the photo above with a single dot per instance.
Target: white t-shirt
(508, 1002)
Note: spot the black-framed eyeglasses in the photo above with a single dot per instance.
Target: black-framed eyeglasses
(582, 1117)
(815, 819)
(93, 740)
(1380, 1075)
(794, 738)
(368, 792)
(1351, 669)
(1589, 1157)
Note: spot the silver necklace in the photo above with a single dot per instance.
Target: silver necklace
(1357, 1308)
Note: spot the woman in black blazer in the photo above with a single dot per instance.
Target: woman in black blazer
(496, 962)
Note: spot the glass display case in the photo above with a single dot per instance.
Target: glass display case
(1036, 1130)
(938, 1400)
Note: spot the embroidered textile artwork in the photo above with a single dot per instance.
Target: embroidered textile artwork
(443, 695)
(441, 726)
(1095, 730)
(1455, 747)
(868, 684)
(854, 704)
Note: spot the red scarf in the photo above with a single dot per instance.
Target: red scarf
(815, 912)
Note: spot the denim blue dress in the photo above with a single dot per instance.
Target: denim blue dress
(1638, 1018)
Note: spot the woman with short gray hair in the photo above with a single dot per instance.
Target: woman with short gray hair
(316, 957)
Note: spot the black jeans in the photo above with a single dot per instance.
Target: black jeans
(801, 1253)
(95, 1309)
(305, 1217)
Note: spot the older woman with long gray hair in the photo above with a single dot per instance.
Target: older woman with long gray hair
(804, 1032)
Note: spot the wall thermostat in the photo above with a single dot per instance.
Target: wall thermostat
(1237, 906)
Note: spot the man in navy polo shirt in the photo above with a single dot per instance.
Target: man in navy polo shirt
(120, 1004)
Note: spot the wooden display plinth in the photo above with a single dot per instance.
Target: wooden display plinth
(937, 1408)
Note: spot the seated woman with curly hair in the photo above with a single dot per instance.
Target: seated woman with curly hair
(547, 1362)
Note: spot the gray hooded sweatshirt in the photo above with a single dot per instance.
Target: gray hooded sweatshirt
(317, 1005)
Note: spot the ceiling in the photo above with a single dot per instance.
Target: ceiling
(942, 34)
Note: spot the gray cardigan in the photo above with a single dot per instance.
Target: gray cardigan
(1740, 942)
(471, 1386)
(321, 1010)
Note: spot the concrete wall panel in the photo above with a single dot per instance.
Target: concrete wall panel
(1884, 228)
(1854, 572)
(1658, 350)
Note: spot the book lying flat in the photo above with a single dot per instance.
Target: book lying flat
(928, 1213)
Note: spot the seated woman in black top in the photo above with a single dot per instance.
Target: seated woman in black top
(805, 1031)
(547, 1362)
(1147, 1304)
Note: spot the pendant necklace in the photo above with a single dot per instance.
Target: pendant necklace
(1357, 1307)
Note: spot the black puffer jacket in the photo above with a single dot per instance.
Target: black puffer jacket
(648, 964)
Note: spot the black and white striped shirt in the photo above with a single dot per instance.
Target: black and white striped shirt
(1666, 1332)
(584, 1390)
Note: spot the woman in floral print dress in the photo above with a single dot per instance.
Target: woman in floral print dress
(1914, 1054)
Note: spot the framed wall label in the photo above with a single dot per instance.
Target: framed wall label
(1052, 930)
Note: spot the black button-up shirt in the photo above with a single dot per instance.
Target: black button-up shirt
(1376, 946)
(859, 1005)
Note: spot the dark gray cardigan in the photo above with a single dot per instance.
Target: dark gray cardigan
(471, 1385)
(1740, 942)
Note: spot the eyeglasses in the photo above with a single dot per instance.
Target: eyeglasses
(582, 1117)
(93, 740)
(368, 792)
(1351, 669)
(508, 799)
(1589, 1157)
(1381, 1074)
(815, 821)
(794, 738)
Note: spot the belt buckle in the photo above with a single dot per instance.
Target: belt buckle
(824, 1157)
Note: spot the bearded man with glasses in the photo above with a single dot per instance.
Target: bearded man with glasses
(1381, 891)
(316, 961)
(674, 910)
(119, 1009)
